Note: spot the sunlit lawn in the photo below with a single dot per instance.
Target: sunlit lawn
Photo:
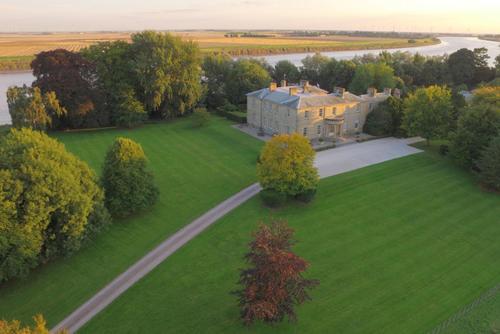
(195, 169)
(398, 248)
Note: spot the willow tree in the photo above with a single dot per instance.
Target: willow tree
(167, 71)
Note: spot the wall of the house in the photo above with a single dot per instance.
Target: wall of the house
(279, 119)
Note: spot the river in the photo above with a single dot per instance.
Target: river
(448, 45)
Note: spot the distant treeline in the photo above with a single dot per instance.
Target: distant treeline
(248, 34)
(491, 37)
(382, 34)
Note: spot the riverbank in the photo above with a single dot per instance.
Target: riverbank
(268, 50)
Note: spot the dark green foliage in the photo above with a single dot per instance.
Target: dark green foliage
(444, 149)
(216, 70)
(246, 75)
(128, 185)
(428, 113)
(232, 112)
(130, 112)
(378, 122)
(461, 65)
(200, 117)
(489, 165)
(479, 123)
(48, 198)
(273, 198)
(376, 75)
(167, 73)
(386, 119)
(286, 70)
(307, 196)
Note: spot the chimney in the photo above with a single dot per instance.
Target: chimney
(304, 83)
(396, 93)
(293, 91)
(372, 91)
(283, 83)
(339, 91)
(387, 91)
(272, 86)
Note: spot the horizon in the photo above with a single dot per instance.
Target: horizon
(113, 15)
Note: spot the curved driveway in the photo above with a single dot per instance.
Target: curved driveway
(330, 162)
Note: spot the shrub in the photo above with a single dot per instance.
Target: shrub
(306, 196)
(128, 185)
(200, 117)
(47, 199)
(273, 198)
(378, 123)
(489, 165)
(443, 149)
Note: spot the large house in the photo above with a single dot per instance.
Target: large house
(311, 111)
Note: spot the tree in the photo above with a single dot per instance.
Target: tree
(376, 75)
(246, 75)
(130, 112)
(274, 283)
(286, 70)
(461, 65)
(497, 65)
(479, 123)
(489, 164)
(47, 200)
(386, 118)
(72, 78)
(216, 69)
(313, 66)
(29, 108)
(168, 73)
(128, 185)
(482, 71)
(116, 81)
(286, 165)
(428, 112)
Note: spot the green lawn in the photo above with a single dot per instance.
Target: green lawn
(195, 169)
(398, 247)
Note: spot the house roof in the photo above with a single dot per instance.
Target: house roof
(306, 97)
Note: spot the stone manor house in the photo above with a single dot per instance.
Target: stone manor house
(311, 111)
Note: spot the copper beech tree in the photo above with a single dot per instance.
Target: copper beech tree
(273, 285)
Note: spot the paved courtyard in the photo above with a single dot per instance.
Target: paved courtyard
(354, 156)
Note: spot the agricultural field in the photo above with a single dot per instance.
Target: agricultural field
(398, 247)
(20, 48)
(194, 168)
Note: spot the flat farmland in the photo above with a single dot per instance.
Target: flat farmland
(15, 45)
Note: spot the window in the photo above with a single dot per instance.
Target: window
(319, 129)
(321, 112)
(304, 132)
(334, 111)
(356, 124)
(306, 114)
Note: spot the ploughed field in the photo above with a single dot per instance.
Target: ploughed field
(194, 168)
(398, 247)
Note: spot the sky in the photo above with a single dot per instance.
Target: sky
(450, 16)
